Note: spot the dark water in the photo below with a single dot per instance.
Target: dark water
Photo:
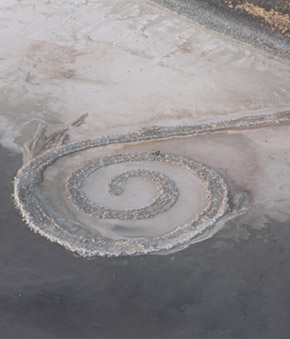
(220, 288)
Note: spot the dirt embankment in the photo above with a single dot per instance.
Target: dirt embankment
(264, 24)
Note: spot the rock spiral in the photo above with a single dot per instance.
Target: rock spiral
(166, 188)
(82, 240)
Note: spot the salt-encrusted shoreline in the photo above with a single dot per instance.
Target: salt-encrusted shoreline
(85, 243)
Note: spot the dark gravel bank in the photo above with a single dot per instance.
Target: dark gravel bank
(265, 24)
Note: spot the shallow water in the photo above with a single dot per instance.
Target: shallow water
(241, 275)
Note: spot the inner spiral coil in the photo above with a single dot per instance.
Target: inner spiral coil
(165, 187)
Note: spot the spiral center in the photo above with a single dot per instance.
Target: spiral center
(167, 192)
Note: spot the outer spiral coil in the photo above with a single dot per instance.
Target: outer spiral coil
(81, 240)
